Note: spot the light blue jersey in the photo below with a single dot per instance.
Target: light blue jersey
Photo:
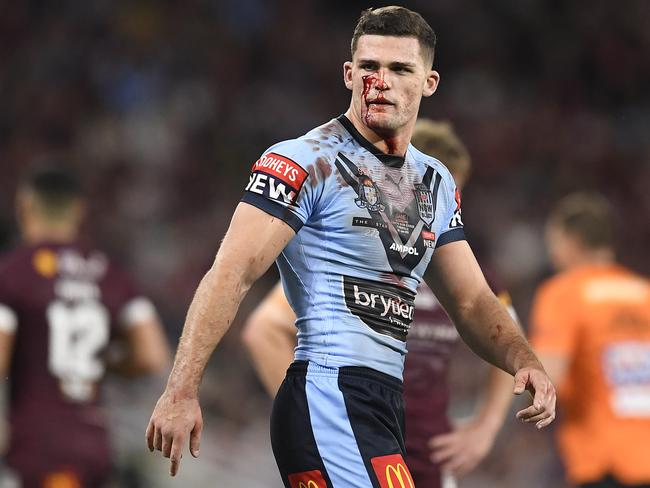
(366, 227)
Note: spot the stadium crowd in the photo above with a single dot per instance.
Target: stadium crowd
(163, 106)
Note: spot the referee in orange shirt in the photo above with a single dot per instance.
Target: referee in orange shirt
(591, 329)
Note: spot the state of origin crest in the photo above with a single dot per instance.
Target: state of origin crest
(405, 234)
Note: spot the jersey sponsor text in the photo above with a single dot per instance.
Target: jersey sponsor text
(277, 177)
(385, 308)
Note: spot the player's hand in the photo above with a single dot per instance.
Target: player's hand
(459, 452)
(175, 418)
(538, 384)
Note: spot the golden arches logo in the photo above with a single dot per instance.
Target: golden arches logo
(307, 479)
(400, 474)
(310, 484)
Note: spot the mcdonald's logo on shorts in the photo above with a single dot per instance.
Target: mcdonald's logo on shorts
(392, 472)
(307, 479)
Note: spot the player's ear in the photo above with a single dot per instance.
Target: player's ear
(431, 83)
(347, 74)
(24, 206)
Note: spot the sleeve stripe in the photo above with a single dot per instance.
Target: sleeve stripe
(451, 236)
(274, 209)
(137, 311)
(8, 320)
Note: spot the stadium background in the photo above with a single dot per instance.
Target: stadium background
(163, 107)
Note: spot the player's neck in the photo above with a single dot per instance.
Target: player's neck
(395, 144)
(594, 257)
(50, 233)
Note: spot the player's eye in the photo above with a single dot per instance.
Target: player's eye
(402, 69)
(369, 66)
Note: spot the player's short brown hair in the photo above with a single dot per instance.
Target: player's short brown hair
(399, 22)
(588, 216)
(438, 139)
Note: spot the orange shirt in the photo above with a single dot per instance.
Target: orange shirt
(598, 317)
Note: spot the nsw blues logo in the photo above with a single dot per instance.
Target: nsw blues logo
(406, 232)
(369, 196)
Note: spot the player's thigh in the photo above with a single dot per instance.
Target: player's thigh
(339, 428)
(375, 408)
(292, 438)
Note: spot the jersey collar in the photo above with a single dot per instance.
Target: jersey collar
(389, 160)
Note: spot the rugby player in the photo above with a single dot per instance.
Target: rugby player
(436, 454)
(591, 327)
(60, 304)
(356, 217)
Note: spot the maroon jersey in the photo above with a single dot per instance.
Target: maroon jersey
(64, 304)
(430, 343)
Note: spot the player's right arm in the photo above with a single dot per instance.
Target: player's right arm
(485, 325)
(270, 337)
(147, 348)
(253, 241)
(7, 333)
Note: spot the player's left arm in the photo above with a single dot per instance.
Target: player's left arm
(461, 450)
(6, 347)
(487, 327)
(253, 241)
(147, 349)
(8, 324)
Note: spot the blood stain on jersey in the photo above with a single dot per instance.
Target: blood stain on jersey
(319, 172)
(323, 167)
(45, 263)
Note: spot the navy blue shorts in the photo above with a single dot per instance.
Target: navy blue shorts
(339, 428)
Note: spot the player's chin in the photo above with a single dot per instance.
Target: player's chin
(381, 121)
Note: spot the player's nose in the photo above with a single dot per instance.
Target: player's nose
(382, 84)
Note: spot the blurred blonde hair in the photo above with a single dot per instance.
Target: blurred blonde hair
(438, 139)
(589, 216)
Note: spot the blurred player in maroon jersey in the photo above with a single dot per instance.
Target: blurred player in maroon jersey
(437, 452)
(61, 303)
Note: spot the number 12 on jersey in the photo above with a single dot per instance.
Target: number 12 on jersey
(78, 332)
